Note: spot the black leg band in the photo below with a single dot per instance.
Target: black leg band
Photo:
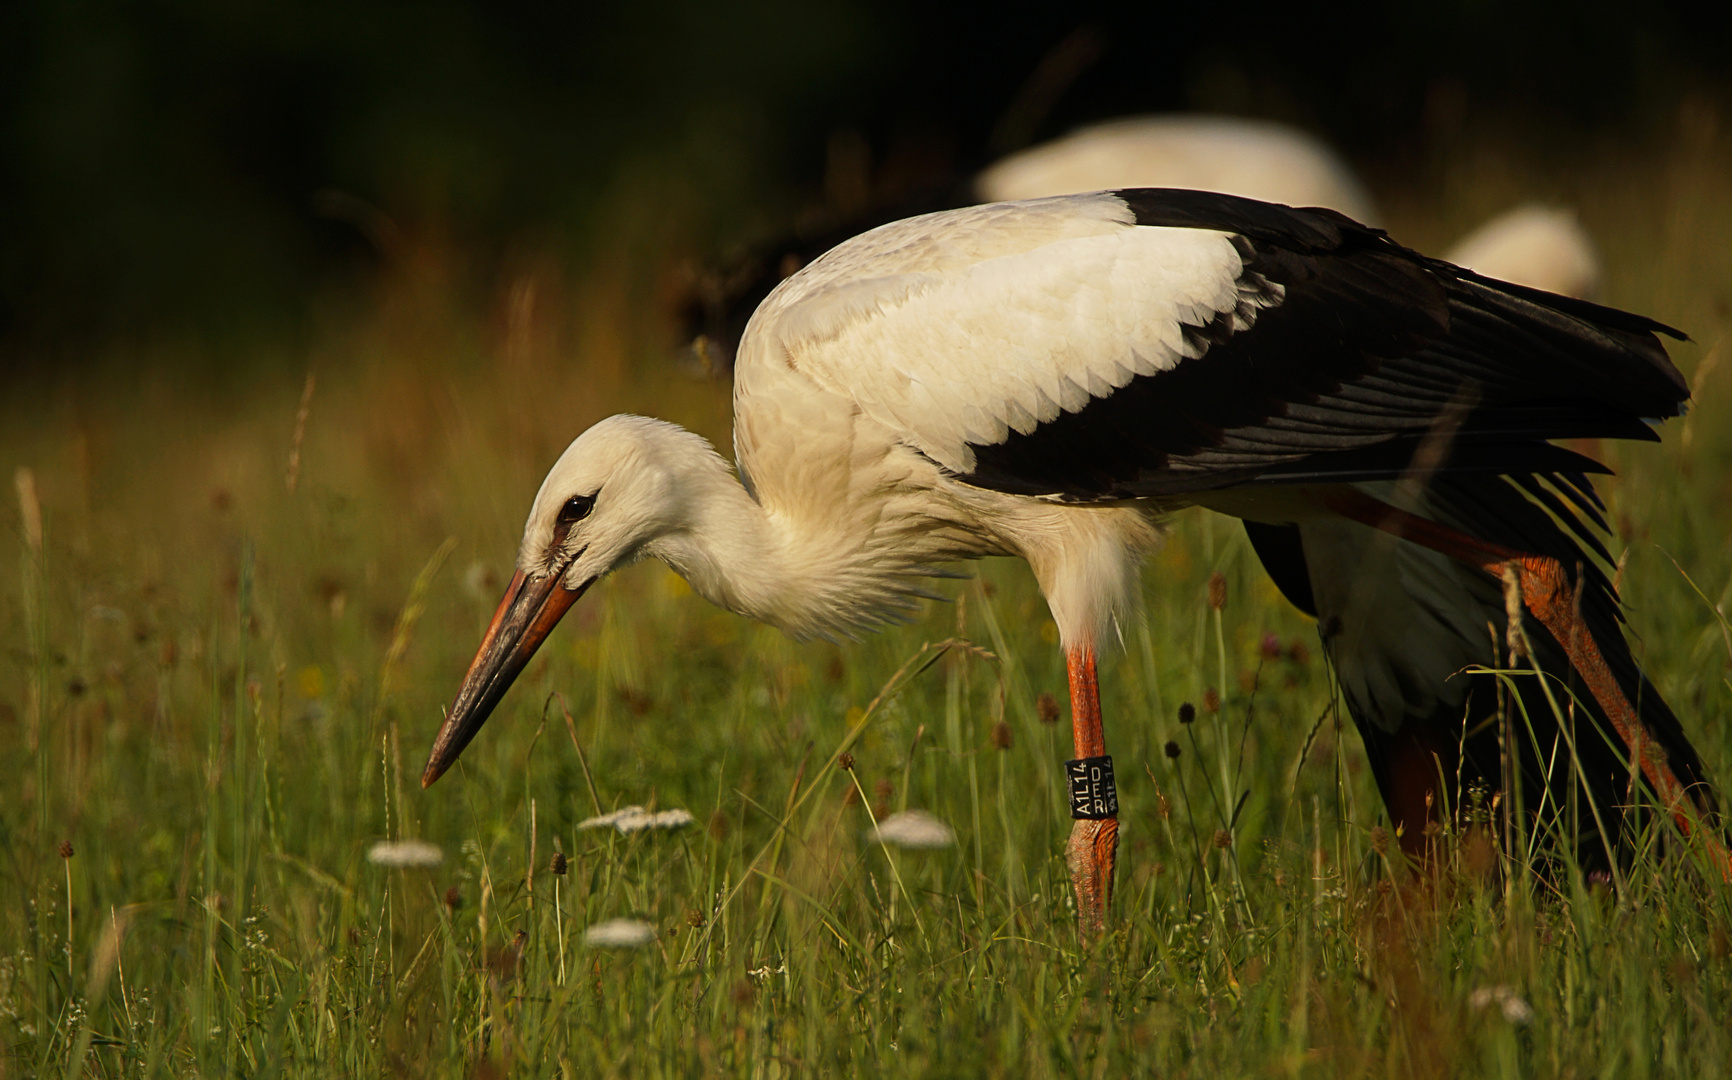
(1093, 795)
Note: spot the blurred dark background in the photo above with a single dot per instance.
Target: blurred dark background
(239, 171)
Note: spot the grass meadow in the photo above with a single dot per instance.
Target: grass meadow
(232, 607)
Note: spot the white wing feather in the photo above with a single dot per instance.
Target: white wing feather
(959, 327)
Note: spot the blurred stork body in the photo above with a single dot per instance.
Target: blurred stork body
(1258, 159)
(1542, 247)
(1050, 379)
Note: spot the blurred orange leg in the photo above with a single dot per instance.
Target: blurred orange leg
(1545, 591)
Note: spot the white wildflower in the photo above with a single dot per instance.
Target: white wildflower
(1514, 1008)
(913, 829)
(481, 582)
(630, 819)
(405, 853)
(619, 934)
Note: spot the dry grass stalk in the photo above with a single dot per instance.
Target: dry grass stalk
(29, 507)
(293, 476)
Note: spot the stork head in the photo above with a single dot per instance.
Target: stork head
(615, 490)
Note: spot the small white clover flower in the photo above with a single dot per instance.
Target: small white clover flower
(913, 829)
(619, 934)
(631, 819)
(1514, 1008)
(405, 853)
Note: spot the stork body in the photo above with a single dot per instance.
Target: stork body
(1048, 379)
(1538, 246)
(1259, 159)
(1544, 247)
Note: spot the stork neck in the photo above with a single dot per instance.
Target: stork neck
(722, 542)
(749, 560)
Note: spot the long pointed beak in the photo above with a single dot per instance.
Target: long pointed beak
(530, 609)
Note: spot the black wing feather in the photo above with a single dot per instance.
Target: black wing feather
(1369, 348)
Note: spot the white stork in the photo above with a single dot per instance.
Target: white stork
(1259, 159)
(1534, 245)
(1544, 247)
(1541, 246)
(1050, 379)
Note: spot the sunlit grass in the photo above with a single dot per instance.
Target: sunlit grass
(220, 692)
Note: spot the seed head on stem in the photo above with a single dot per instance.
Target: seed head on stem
(1047, 707)
(1217, 590)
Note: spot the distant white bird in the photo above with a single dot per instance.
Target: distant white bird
(1538, 246)
(1259, 159)
(1049, 379)
(1543, 247)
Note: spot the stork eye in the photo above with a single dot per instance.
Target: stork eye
(576, 509)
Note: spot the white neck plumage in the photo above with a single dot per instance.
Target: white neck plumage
(835, 543)
(814, 573)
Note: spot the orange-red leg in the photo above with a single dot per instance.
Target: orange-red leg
(1094, 838)
(1545, 591)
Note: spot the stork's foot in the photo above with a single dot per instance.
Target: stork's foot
(1091, 853)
